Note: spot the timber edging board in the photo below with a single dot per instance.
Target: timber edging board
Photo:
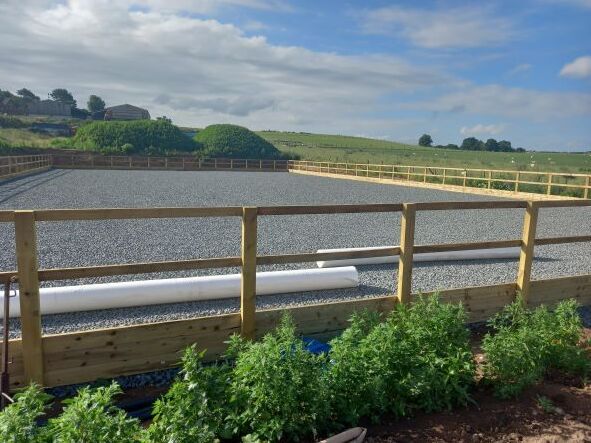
(106, 353)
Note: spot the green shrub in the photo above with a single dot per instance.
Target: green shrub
(138, 137)
(18, 421)
(195, 407)
(350, 387)
(525, 344)
(231, 141)
(91, 417)
(277, 387)
(7, 121)
(418, 359)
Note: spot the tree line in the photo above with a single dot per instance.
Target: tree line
(17, 104)
(473, 144)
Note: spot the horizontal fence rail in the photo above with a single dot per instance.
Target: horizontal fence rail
(14, 166)
(84, 356)
(176, 163)
(533, 182)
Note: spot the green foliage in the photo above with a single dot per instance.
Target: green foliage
(139, 136)
(91, 417)
(277, 388)
(6, 121)
(231, 141)
(418, 359)
(527, 343)
(350, 387)
(194, 409)
(63, 96)
(425, 140)
(27, 94)
(95, 104)
(18, 421)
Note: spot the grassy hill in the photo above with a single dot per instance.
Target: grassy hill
(323, 147)
(361, 150)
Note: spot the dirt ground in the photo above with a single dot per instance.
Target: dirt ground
(556, 410)
(563, 415)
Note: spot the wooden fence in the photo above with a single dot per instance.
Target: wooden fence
(502, 182)
(188, 163)
(59, 359)
(15, 166)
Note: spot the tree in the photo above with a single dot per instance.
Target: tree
(425, 140)
(95, 104)
(472, 144)
(164, 119)
(491, 145)
(505, 146)
(27, 95)
(63, 96)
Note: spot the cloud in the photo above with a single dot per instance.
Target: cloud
(198, 71)
(481, 129)
(497, 100)
(519, 69)
(462, 27)
(578, 68)
(577, 3)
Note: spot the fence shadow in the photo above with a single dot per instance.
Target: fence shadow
(19, 185)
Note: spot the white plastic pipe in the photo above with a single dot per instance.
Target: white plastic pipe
(471, 254)
(174, 290)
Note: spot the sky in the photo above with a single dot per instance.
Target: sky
(513, 70)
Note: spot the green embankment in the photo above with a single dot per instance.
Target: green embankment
(321, 147)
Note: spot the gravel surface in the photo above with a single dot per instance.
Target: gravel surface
(104, 242)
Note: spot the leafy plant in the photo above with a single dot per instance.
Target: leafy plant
(350, 387)
(525, 344)
(18, 421)
(91, 417)
(419, 358)
(277, 388)
(195, 407)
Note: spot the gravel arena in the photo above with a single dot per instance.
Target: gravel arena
(68, 244)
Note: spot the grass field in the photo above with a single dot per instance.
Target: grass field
(340, 148)
(321, 147)
(22, 138)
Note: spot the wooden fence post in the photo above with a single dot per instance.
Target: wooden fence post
(489, 179)
(517, 176)
(425, 175)
(407, 239)
(526, 256)
(249, 272)
(28, 281)
(549, 188)
(444, 175)
(465, 178)
(587, 184)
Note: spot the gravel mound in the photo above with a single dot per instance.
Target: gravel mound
(64, 244)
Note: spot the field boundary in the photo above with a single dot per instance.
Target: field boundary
(86, 356)
(19, 166)
(542, 186)
(176, 163)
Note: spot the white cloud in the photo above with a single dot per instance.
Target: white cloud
(481, 129)
(197, 71)
(519, 69)
(577, 3)
(497, 100)
(462, 27)
(578, 68)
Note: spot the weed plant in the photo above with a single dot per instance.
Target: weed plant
(525, 344)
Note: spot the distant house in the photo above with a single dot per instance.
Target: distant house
(126, 112)
(49, 107)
